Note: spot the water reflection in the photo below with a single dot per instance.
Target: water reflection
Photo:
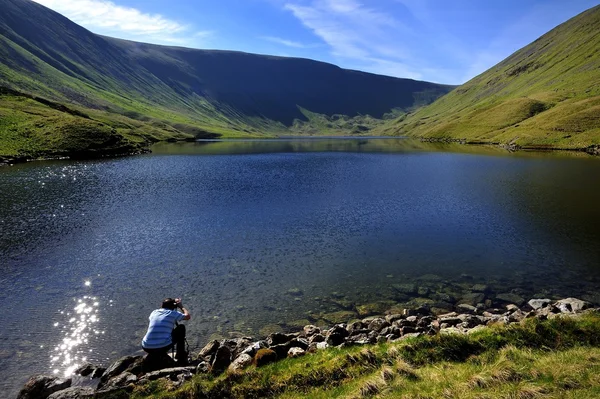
(77, 329)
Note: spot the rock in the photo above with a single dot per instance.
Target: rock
(311, 330)
(73, 393)
(510, 298)
(156, 361)
(336, 335)
(406, 289)
(316, 338)
(465, 307)
(322, 345)
(202, 368)
(472, 298)
(391, 318)
(118, 367)
(209, 349)
(572, 305)
(295, 292)
(358, 325)
(222, 360)
(42, 386)
(480, 288)
(538, 303)
(450, 330)
(265, 356)
(296, 352)
(91, 370)
(512, 307)
(254, 347)
(278, 339)
(378, 324)
(241, 362)
(120, 381)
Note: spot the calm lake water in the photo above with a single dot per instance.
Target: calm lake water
(259, 236)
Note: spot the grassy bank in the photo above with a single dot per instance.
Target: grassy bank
(534, 359)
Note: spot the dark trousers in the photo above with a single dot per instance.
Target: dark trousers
(178, 339)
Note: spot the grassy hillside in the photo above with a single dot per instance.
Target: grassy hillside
(557, 358)
(546, 94)
(142, 90)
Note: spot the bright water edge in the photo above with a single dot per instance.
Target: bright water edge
(262, 236)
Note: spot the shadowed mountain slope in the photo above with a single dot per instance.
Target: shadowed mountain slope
(148, 92)
(546, 94)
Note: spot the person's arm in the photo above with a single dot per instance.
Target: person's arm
(186, 314)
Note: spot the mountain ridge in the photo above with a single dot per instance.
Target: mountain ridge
(546, 94)
(147, 92)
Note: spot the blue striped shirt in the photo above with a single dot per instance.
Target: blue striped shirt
(162, 322)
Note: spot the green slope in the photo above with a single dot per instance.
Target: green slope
(147, 92)
(546, 94)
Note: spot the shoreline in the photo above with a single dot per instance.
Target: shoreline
(232, 356)
(592, 150)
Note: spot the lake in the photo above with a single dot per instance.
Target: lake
(259, 236)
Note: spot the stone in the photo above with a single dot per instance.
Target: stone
(480, 288)
(572, 305)
(336, 335)
(278, 339)
(465, 307)
(118, 367)
(316, 338)
(73, 393)
(265, 356)
(509, 297)
(254, 347)
(120, 381)
(358, 325)
(241, 362)
(378, 324)
(222, 360)
(472, 298)
(539, 303)
(156, 361)
(311, 330)
(322, 345)
(374, 308)
(42, 386)
(296, 352)
(202, 368)
(209, 349)
(391, 318)
(170, 373)
(512, 307)
(406, 289)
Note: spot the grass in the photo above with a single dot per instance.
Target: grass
(546, 95)
(534, 359)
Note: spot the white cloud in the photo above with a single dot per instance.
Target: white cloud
(360, 36)
(288, 43)
(108, 18)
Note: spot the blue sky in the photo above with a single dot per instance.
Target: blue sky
(444, 41)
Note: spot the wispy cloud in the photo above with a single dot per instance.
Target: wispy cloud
(365, 36)
(106, 17)
(288, 43)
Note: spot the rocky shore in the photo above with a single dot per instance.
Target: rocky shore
(234, 355)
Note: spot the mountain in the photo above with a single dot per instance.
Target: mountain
(545, 95)
(149, 92)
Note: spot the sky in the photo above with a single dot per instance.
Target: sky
(442, 41)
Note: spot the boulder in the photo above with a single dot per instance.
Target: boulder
(120, 381)
(209, 349)
(170, 373)
(336, 335)
(466, 308)
(539, 303)
(378, 324)
(73, 393)
(509, 297)
(296, 352)
(222, 360)
(42, 386)
(472, 298)
(241, 362)
(278, 338)
(572, 305)
(254, 347)
(311, 330)
(123, 364)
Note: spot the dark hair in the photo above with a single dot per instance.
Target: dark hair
(169, 303)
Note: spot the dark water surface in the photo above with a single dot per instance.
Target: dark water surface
(261, 236)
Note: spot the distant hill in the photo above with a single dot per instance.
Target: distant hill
(146, 91)
(546, 94)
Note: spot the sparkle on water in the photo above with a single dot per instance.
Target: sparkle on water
(76, 332)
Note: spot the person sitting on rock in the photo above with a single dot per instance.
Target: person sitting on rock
(164, 332)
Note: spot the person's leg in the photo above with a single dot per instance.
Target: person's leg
(178, 336)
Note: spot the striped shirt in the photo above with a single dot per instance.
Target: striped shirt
(162, 322)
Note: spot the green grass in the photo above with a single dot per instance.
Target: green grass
(546, 94)
(534, 359)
